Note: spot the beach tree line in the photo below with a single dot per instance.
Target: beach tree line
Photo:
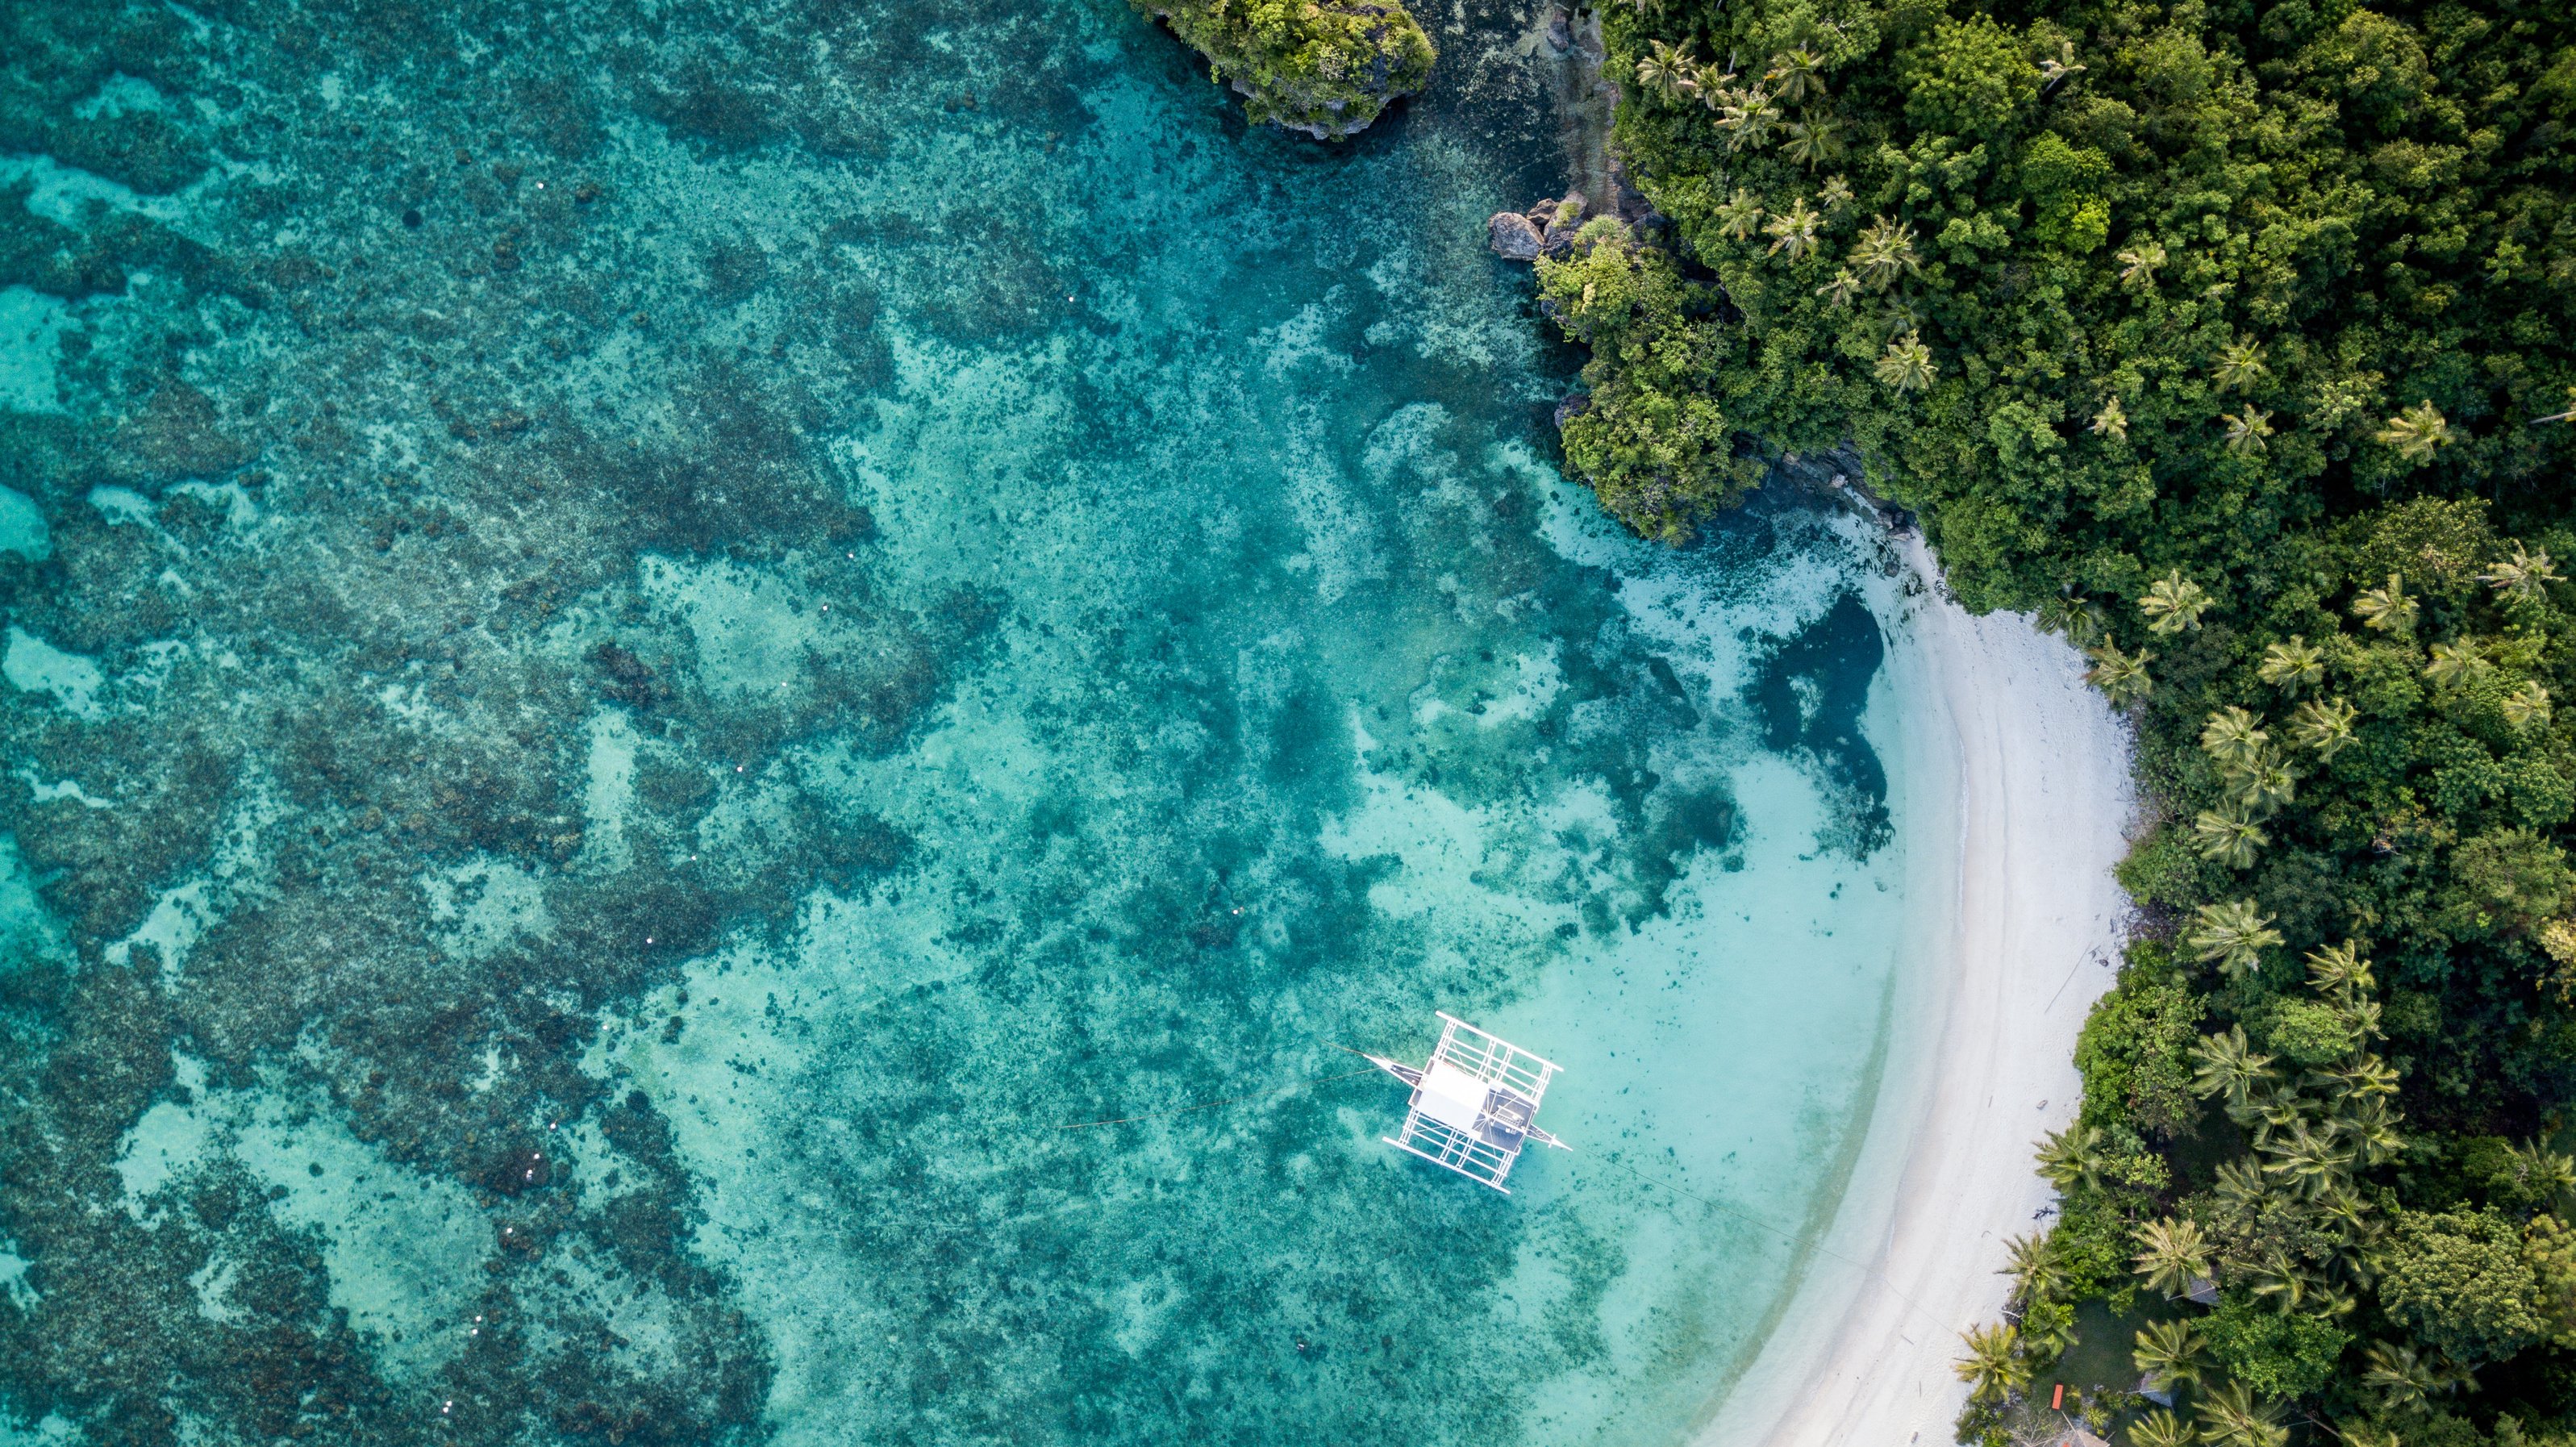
(2234, 340)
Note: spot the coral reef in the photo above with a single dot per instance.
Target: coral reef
(640, 648)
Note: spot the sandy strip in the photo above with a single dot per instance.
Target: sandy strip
(2033, 769)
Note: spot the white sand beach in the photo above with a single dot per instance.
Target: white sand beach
(2035, 769)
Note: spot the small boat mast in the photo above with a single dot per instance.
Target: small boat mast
(1475, 1103)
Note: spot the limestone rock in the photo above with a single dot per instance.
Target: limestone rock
(1514, 236)
(1562, 224)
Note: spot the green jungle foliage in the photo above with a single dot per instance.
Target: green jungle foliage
(1325, 67)
(2239, 341)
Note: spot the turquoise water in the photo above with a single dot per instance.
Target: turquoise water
(652, 654)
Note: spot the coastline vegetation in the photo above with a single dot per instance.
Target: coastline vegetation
(2239, 342)
(1328, 68)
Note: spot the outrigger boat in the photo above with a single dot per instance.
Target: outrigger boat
(1475, 1103)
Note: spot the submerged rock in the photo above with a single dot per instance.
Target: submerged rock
(1560, 33)
(1514, 237)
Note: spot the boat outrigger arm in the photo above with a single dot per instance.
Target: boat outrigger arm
(1475, 1103)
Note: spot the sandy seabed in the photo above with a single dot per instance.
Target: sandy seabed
(2032, 769)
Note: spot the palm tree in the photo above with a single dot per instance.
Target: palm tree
(2073, 1157)
(2522, 575)
(1740, 217)
(2367, 1434)
(2230, 837)
(2402, 1378)
(1840, 291)
(2386, 609)
(2342, 1208)
(1713, 87)
(1748, 122)
(2292, 666)
(2059, 67)
(2173, 1254)
(2567, 416)
(2285, 1282)
(2373, 1131)
(2323, 728)
(2246, 430)
(2341, 970)
(2527, 707)
(2122, 677)
(2161, 1428)
(1886, 252)
(2456, 662)
(2227, 1065)
(2233, 737)
(2239, 365)
(1793, 75)
(2239, 1186)
(2232, 1416)
(2269, 1107)
(1795, 230)
(1661, 68)
(2416, 432)
(1836, 193)
(2174, 603)
(2036, 1272)
(1993, 1367)
(1814, 140)
(2111, 421)
(2080, 619)
(2170, 1352)
(2544, 1173)
(2138, 264)
(2233, 934)
(1907, 365)
(2262, 786)
(2308, 1160)
(2363, 1076)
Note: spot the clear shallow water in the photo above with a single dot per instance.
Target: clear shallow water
(643, 653)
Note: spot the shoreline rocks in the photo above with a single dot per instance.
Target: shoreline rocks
(1515, 237)
(1548, 227)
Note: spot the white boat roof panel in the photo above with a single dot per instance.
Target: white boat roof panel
(1451, 1096)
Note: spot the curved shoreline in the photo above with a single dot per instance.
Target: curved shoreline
(2030, 768)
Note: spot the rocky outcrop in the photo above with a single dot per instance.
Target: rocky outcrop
(1548, 227)
(1514, 236)
(1328, 70)
(1564, 218)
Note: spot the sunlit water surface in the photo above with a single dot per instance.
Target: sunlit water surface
(652, 653)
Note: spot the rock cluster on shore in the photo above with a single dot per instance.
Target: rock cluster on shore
(1547, 228)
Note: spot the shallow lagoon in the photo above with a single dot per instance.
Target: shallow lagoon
(645, 652)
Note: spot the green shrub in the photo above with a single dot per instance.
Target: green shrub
(2135, 1054)
(2279, 1354)
(2460, 1281)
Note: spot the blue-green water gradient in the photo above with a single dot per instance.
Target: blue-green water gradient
(654, 653)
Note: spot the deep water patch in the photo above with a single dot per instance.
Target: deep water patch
(1810, 691)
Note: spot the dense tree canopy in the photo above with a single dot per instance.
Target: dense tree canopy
(2113, 286)
(2234, 339)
